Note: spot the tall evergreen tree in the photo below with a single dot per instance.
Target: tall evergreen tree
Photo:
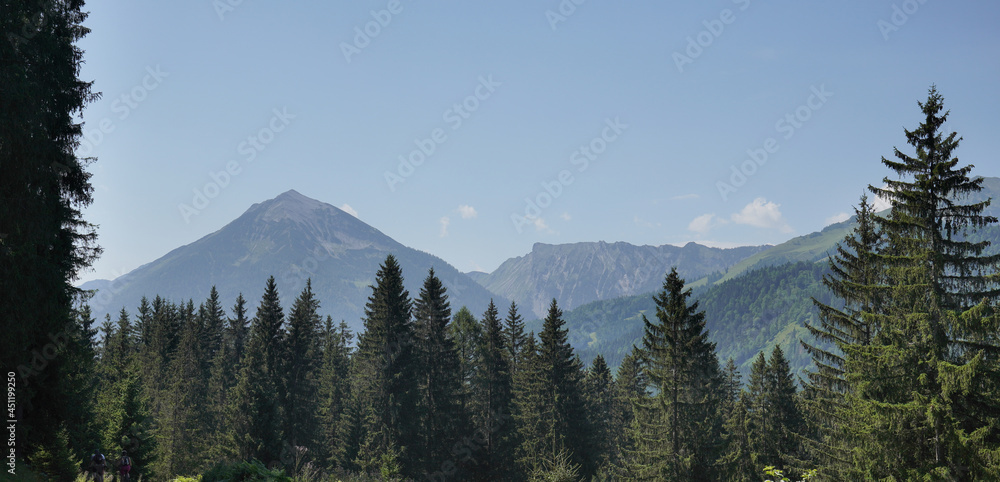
(492, 395)
(254, 417)
(766, 426)
(787, 423)
(760, 423)
(442, 417)
(334, 387)
(529, 404)
(630, 390)
(600, 392)
(44, 240)
(238, 328)
(468, 335)
(857, 279)
(678, 430)
(736, 462)
(563, 409)
(385, 383)
(182, 435)
(923, 395)
(302, 358)
(513, 331)
(213, 326)
(143, 322)
(223, 372)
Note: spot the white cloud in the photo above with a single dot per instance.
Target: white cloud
(540, 224)
(762, 214)
(880, 203)
(685, 196)
(348, 209)
(445, 221)
(705, 223)
(837, 218)
(566, 216)
(467, 212)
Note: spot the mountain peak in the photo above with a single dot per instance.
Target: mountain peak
(293, 206)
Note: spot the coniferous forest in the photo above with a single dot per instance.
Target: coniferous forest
(905, 383)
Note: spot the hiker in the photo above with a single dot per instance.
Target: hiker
(124, 466)
(97, 465)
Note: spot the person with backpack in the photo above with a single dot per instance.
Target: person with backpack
(124, 466)
(97, 465)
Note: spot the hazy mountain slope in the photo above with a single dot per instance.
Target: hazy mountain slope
(291, 237)
(760, 308)
(816, 246)
(579, 273)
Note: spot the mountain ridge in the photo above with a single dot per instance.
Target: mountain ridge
(293, 238)
(578, 273)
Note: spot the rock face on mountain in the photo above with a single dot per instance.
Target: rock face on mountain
(293, 238)
(579, 273)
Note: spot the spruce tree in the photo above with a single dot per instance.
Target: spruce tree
(513, 331)
(385, 378)
(529, 404)
(182, 434)
(334, 387)
(253, 414)
(223, 372)
(736, 462)
(492, 395)
(857, 280)
(44, 240)
(442, 416)
(468, 335)
(630, 390)
(213, 325)
(238, 328)
(787, 423)
(302, 358)
(923, 395)
(563, 409)
(760, 422)
(600, 392)
(678, 430)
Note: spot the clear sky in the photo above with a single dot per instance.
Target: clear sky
(647, 106)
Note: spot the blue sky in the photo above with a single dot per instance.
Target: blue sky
(519, 122)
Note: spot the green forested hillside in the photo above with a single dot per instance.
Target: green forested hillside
(758, 309)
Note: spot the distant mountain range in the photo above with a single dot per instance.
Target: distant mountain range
(579, 273)
(293, 238)
(754, 296)
(761, 301)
